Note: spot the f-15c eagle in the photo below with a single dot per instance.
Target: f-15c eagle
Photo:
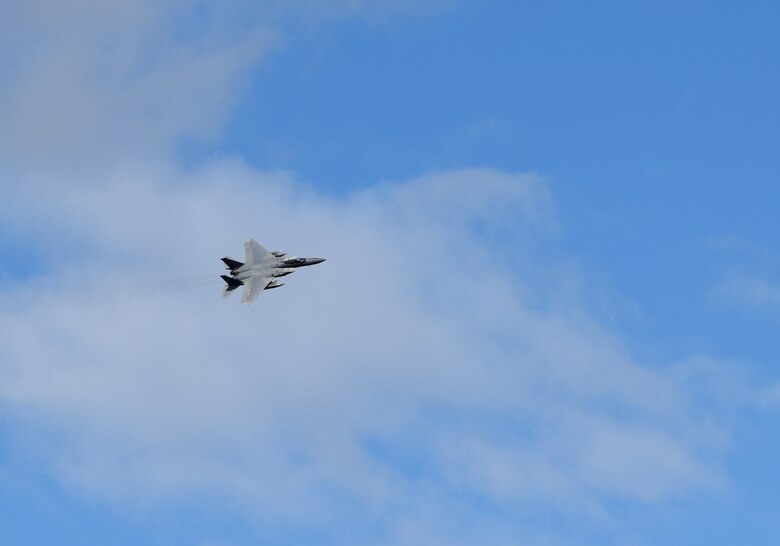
(260, 270)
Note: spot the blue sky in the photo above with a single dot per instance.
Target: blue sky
(548, 313)
(647, 118)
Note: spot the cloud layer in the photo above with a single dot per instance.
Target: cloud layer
(413, 372)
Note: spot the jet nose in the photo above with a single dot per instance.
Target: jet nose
(314, 261)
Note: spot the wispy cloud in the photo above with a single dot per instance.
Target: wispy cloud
(751, 291)
(748, 273)
(92, 83)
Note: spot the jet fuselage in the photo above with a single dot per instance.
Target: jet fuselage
(273, 269)
(260, 270)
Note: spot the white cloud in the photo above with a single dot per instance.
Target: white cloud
(92, 83)
(414, 363)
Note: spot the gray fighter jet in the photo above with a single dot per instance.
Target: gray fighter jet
(260, 270)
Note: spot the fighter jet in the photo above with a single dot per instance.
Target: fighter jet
(260, 270)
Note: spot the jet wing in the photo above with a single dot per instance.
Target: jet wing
(255, 253)
(253, 286)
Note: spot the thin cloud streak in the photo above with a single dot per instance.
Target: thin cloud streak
(750, 291)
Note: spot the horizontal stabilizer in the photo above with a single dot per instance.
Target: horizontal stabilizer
(231, 263)
(232, 283)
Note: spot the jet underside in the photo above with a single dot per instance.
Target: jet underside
(260, 270)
